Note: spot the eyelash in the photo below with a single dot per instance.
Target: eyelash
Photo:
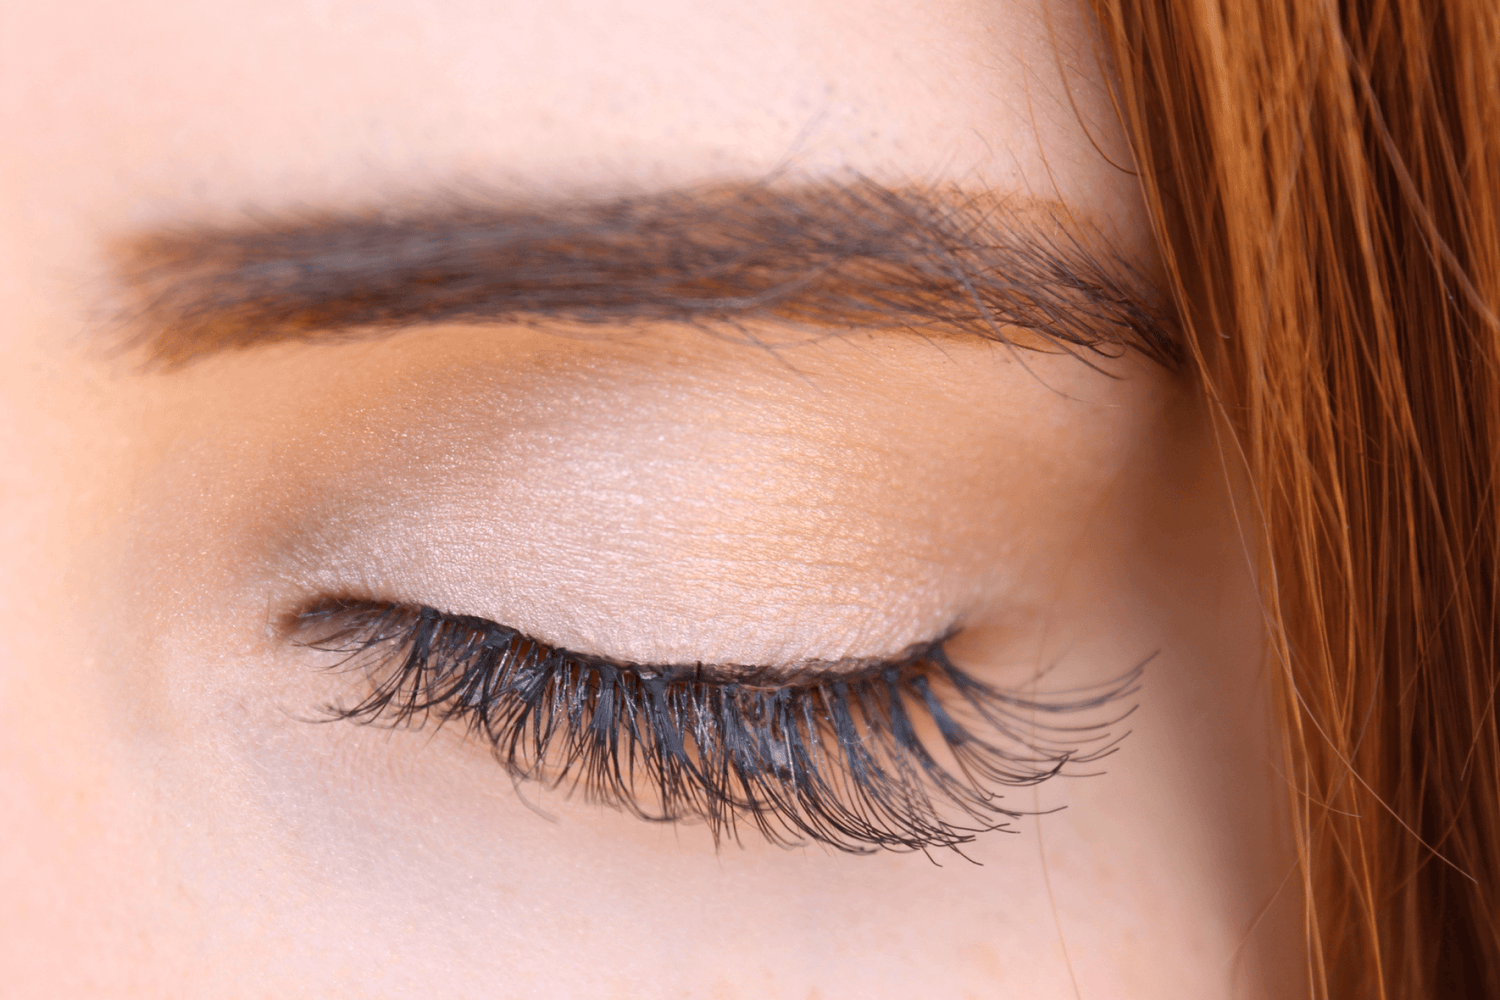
(825, 754)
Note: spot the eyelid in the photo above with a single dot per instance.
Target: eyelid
(807, 674)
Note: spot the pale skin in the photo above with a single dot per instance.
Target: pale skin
(175, 824)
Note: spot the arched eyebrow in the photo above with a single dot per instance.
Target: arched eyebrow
(828, 255)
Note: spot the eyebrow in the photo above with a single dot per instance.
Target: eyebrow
(826, 255)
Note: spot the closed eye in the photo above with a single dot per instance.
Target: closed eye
(903, 753)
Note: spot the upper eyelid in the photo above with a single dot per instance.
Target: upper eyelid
(832, 255)
(304, 623)
(808, 675)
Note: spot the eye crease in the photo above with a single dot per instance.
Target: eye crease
(849, 755)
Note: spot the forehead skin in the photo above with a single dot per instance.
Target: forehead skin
(166, 109)
(120, 117)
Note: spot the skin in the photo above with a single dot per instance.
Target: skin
(175, 826)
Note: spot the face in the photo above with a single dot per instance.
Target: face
(226, 513)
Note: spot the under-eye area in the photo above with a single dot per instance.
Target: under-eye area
(908, 752)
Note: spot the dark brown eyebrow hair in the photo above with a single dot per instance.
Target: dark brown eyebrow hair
(827, 255)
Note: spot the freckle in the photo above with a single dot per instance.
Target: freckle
(984, 958)
(723, 990)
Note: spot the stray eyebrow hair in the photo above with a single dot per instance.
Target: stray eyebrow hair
(825, 255)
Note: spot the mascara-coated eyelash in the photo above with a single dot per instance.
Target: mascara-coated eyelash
(844, 754)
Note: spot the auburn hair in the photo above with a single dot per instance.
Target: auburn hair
(1325, 181)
